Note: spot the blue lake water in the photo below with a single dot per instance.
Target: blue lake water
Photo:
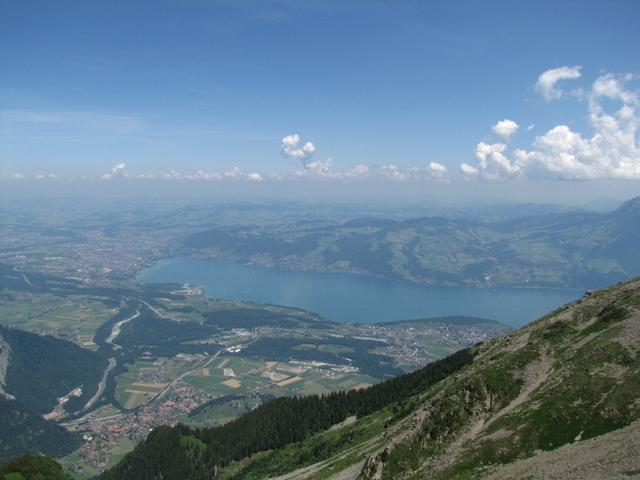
(357, 298)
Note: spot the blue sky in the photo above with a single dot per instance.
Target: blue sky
(382, 89)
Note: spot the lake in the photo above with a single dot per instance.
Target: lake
(357, 298)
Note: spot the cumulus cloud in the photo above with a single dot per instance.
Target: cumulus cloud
(437, 170)
(234, 173)
(613, 87)
(505, 128)
(319, 167)
(394, 173)
(611, 151)
(359, 171)
(323, 170)
(432, 171)
(469, 170)
(254, 177)
(546, 85)
(116, 171)
(291, 148)
(493, 162)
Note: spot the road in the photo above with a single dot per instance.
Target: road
(152, 308)
(186, 374)
(195, 369)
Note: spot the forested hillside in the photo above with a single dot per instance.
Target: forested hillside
(42, 368)
(24, 430)
(36, 370)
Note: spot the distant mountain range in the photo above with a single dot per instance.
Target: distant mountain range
(577, 249)
(558, 398)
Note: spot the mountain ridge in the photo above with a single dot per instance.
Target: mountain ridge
(569, 249)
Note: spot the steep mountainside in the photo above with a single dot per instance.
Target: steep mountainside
(23, 430)
(35, 372)
(559, 398)
(574, 249)
(39, 369)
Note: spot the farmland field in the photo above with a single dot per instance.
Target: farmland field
(71, 317)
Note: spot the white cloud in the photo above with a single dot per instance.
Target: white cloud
(493, 162)
(610, 152)
(235, 172)
(360, 170)
(437, 171)
(612, 87)
(469, 170)
(546, 84)
(291, 148)
(394, 173)
(232, 174)
(432, 171)
(505, 128)
(319, 167)
(323, 170)
(117, 171)
(41, 176)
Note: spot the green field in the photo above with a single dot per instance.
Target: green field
(72, 317)
(250, 380)
(246, 376)
(133, 389)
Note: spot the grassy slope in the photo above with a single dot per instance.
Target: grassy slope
(571, 377)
